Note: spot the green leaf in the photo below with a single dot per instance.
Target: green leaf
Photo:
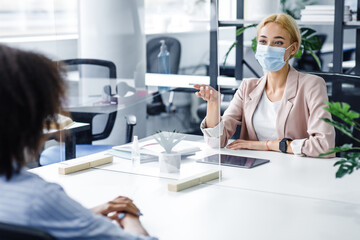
(241, 30)
(310, 39)
(342, 127)
(310, 42)
(282, 2)
(233, 45)
(343, 148)
(316, 58)
(254, 44)
(348, 164)
(228, 52)
(351, 160)
(306, 32)
(342, 111)
(298, 54)
(340, 173)
(340, 162)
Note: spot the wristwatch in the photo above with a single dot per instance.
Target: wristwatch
(283, 144)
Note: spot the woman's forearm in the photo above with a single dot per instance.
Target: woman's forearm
(212, 114)
(273, 145)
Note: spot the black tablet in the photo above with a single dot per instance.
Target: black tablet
(234, 161)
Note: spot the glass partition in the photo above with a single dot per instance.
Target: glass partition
(126, 82)
(33, 26)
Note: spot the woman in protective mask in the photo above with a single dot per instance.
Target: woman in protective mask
(281, 111)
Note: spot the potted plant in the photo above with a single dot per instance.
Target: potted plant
(169, 161)
(310, 42)
(351, 155)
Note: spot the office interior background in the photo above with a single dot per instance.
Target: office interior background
(122, 92)
(119, 30)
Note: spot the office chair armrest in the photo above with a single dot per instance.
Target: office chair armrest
(130, 120)
(108, 128)
(130, 123)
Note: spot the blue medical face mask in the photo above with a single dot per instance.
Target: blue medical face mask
(271, 58)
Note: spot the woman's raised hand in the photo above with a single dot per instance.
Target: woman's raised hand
(207, 93)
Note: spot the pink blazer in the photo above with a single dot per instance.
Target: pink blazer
(299, 114)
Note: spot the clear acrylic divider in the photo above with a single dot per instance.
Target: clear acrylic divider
(54, 21)
(108, 113)
(165, 143)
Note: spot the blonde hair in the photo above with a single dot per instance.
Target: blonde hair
(285, 21)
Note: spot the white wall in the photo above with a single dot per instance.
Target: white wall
(56, 48)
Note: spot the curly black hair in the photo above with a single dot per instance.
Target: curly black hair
(32, 91)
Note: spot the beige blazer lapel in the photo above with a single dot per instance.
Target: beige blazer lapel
(250, 106)
(287, 101)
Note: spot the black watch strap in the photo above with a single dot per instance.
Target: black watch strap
(283, 144)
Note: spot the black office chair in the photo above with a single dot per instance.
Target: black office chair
(152, 50)
(17, 232)
(87, 137)
(343, 88)
(84, 139)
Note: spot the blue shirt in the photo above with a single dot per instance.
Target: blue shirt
(26, 199)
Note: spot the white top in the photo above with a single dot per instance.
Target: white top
(264, 118)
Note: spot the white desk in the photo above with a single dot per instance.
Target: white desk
(345, 64)
(296, 176)
(285, 174)
(75, 126)
(288, 198)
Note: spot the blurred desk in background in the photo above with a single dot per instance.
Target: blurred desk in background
(186, 82)
(69, 132)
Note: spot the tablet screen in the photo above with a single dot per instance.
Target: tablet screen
(234, 161)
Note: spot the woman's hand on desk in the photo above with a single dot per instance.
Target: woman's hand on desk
(241, 144)
(271, 145)
(119, 204)
(246, 144)
(207, 93)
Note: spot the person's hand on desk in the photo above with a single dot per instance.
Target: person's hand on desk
(123, 211)
(246, 144)
(119, 205)
(130, 223)
(271, 145)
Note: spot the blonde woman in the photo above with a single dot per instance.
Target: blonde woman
(281, 111)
